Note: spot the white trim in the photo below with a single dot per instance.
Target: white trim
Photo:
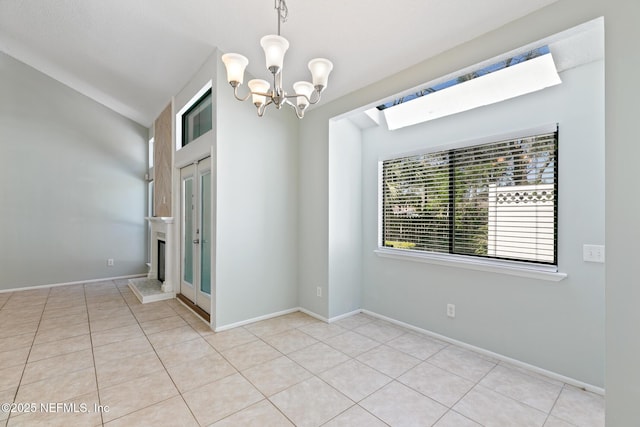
(500, 357)
(343, 316)
(79, 282)
(256, 319)
(531, 271)
(314, 315)
(380, 203)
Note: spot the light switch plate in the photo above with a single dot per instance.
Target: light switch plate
(593, 253)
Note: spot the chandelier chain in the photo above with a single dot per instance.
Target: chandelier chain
(283, 12)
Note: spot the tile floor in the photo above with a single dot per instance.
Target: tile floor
(93, 355)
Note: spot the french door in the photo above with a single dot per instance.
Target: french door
(196, 222)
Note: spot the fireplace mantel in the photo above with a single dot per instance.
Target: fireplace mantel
(164, 219)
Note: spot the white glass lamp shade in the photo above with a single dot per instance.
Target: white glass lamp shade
(274, 49)
(320, 69)
(261, 86)
(235, 64)
(303, 88)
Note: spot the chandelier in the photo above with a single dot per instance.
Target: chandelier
(275, 46)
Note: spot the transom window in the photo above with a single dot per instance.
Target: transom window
(198, 119)
(493, 200)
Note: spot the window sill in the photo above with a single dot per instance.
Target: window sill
(469, 263)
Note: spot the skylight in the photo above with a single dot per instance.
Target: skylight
(515, 76)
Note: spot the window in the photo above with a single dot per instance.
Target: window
(494, 200)
(150, 213)
(198, 119)
(151, 148)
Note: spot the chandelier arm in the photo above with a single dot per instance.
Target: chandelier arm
(299, 112)
(306, 97)
(317, 99)
(263, 107)
(267, 94)
(235, 93)
(239, 98)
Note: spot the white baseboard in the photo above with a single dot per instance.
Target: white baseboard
(344, 316)
(256, 319)
(313, 314)
(497, 356)
(79, 282)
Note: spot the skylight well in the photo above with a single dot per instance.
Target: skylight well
(518, 75)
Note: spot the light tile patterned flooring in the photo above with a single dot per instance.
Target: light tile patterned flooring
(95, 346)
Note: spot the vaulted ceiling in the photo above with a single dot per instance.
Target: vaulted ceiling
(134, 55)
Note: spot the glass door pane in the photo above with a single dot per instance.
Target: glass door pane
(205, 221)
(187, 244)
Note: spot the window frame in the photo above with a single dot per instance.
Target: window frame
(184, 116)
(523, 268)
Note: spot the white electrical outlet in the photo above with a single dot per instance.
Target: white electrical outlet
(451, 310)
(319, 291)
(593, 253)
(110, 262)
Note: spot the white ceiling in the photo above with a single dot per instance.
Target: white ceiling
(134, 55)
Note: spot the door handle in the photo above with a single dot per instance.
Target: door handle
(196, 241)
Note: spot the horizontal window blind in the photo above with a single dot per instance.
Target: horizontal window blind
(495, 200)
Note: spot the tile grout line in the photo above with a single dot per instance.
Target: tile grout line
(94, 362)
(24, 369)
(393, 379)
(317, 375)
(555, 402)
(267, 398)
(313, 374)
(93, 355)
(161, 362)
(254, 386)
(354, 358)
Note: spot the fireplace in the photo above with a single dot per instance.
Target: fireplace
(158, 285)
(161, 262)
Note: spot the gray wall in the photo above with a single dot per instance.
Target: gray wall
(313, 211)
(72, 192)
(257, 208)
(622, 206)
(622, 372)
(345, 218)
(555, 326)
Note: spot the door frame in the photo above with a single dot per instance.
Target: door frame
(192, 295)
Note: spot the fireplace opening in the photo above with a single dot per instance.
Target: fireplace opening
(161, 244)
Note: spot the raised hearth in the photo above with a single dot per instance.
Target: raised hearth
(149, 290)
